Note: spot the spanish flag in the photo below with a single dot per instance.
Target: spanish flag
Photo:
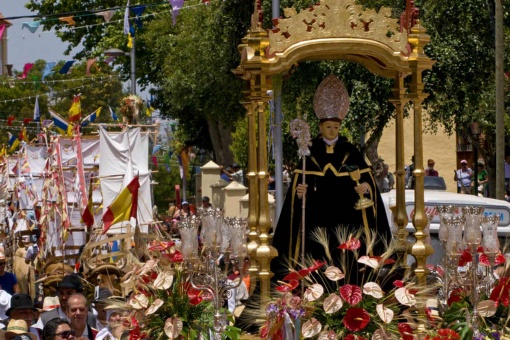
(87, 216)
(75, 110)
(124, 207)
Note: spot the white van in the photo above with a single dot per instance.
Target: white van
(435, 198)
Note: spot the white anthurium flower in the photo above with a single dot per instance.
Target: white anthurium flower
(139, 301)
(367, 260)
(311, 328)
(164, 280)
(487, 308)
(173, 327)
(332, 304)
(384, 313)
(154, 307)
(313, 292)
(373, 289)
(404, 297)
(381, 334)
(333, 273)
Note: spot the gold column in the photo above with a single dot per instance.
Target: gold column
(399, 211)
(252, 188)
(419, 62)
(265, 252)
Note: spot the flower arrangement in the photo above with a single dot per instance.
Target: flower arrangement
(330, 308)
(130, 107)
(163, 303)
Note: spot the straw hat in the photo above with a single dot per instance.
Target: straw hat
(50, 303)
(16, 327)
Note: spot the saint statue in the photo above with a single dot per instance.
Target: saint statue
(335, 197)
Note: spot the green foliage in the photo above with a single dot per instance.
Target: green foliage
(164, 191)
(101, 89)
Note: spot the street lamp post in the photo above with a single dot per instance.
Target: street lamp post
(115, 52)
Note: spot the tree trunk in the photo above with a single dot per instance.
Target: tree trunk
(221, 138)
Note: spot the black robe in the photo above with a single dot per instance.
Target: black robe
(330, 200)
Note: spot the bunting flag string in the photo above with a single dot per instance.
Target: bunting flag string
(48, 82)
(33, 26)
(53, 93)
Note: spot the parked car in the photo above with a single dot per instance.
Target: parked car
(435, 198)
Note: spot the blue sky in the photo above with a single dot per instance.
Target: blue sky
(25, 47)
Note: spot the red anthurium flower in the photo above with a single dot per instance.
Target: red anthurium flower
(447, 334)
(299, 275)
(379, 258)
(406, 332)
(353, 337)
(501, 293)
(398, 283)
(176, 257)
(161, 245)
(455, 296)
(351, 294)
(465, 258)
(196, 300)
(499, 259)
(356, 319)
(316, 265)
(351, 244)
(479, 249)
(287, 287)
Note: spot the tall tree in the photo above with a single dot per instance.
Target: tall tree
(461, 83)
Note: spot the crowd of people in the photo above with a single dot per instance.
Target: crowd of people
(68, 315)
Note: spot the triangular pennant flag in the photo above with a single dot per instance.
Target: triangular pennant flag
(26, 69)
(2, 29)
(60, 123)
(176, 8)
(47, 70)
(138, 10)
(13, 142)
(107, 15)
(113, 115)
(91, 117)
(87, 215)
(124, 207)
(90, 62)
(23, 134)
(70, 20)
(27, 121)
(37, 113)
(67, 66)
(31, 26)
(10, 119)
(75, 110)
(126, 19)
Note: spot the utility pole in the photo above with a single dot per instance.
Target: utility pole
(500, 102)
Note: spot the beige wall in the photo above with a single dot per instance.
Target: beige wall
(440, 147)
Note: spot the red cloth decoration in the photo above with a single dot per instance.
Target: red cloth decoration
(10, 119)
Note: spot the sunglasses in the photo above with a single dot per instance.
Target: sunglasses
(66, 334)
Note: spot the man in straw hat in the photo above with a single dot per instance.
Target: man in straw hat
(22, 308)
(331, 193)
(48, 312)
(16, 328)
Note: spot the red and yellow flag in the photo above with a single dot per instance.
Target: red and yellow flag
(75, 110)
(124, 207)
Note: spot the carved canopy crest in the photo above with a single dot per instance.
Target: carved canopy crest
(338, 19)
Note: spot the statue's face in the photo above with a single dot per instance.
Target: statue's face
(329, 129)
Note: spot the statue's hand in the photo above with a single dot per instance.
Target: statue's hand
(362, 188)
(301, 190)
